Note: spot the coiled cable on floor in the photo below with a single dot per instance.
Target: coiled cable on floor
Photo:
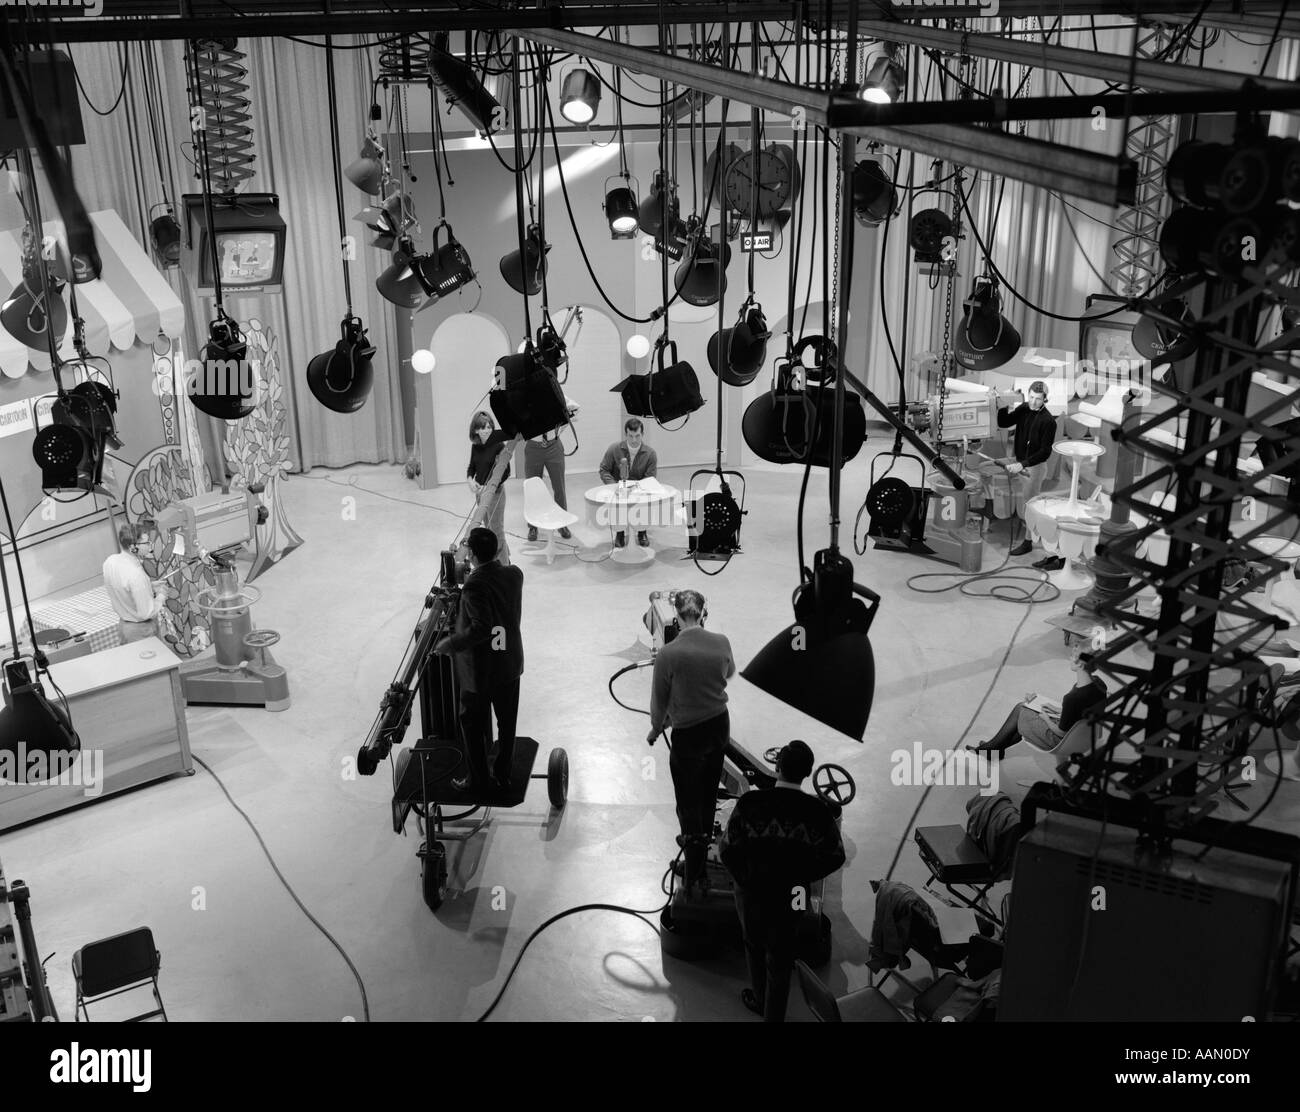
(365, 1000)
(1010, 582)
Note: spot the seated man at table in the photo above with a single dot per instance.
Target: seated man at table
(136, 598)
(629, 458)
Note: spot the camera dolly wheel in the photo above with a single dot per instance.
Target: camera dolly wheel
(557, 778)
(433, 873)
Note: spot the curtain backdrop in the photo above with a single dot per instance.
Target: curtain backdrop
(117, 168)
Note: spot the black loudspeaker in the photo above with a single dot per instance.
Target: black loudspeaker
(528, 400)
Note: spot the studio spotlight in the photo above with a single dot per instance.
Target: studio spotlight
(70, 450)
(524, 272)
(460, 86)
(224, 386)
(696, 278)
(926, 234)
(1164, 343)
(874, 198)
(446, 267)
(367, 172)
(28, 312)
(31, 720)
(579, 96)
(165, 234)
(530, 401)
(985, 338)
(399, 283)
(1180, 240)
(823, 664)
(1209, 174)
(672, 391)
(745, 344)
(621, 210)
(885, 81)
(340, 379)
(650, 216)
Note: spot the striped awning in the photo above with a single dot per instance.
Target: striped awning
(130, 302)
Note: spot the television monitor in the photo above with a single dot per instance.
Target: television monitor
(250, 241)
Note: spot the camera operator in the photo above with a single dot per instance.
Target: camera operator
(689, 693)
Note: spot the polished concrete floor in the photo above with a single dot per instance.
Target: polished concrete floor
(178, 857)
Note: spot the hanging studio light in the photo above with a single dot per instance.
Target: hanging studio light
(621, 211)
(985, 338)
(70, 450)
(579, 96)
(460, 86)
(874, 197)
(165, 234)
(885, 81)
(27, 313)
(746, 347)
(446, 267)
(340, 379)
(367, 172)
(224, 386)
(31, 720)
(524, 273)
(399, 283)
(823, 664)
(696, 278)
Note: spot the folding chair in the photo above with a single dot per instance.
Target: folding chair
(866, 1005)
(958, 863)
(116, 965)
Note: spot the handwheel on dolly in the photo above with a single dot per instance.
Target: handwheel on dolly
(834, 784)
(557, 778)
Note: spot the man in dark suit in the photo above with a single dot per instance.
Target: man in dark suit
(489, 659)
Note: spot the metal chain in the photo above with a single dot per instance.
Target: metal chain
(835, 222)
(945, 354)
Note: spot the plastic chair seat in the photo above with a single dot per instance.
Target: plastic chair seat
(116, 965)
(541, 510)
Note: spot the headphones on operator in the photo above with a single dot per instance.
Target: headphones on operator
(677, 604)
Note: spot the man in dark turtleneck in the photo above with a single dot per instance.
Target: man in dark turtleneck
(1032, 447)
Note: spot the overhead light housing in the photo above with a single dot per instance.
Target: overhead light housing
(446, 267)
(696, 278)
(398, 283)
(874, 197)
(340, 379)
(885, 81)
(621, 210)
(224, 387)
(579, 96)
(27, 313)
(165, 234)
(31, 720)
(524, 272)
(367, 172)
(985, 338)
(823, 664)
(70, 450)
(460, 86)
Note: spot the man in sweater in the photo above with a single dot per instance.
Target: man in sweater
(690, 693)
(778, 843)
(489, 659)
(629, 459)
(1032, 446)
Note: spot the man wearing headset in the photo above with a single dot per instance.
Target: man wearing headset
(1032, 444)
(777, 844)
(690, 694)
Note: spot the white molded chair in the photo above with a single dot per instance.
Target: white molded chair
(542, 512)
(1077, 739)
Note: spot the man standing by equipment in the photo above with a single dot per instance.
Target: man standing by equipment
(778, 843)
(546, 453)
(1032, 444)
(629, 459)
(689, 693)
(489, 659)
(136, 598)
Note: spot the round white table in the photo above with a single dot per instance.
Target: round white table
(1063, 526)
(634, 506)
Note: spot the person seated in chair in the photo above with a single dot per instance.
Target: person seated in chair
(629, 458)
(777, 844)
(1043, 728)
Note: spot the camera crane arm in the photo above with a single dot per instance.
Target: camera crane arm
(440, 604)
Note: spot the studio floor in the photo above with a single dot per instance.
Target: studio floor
(178, 857)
